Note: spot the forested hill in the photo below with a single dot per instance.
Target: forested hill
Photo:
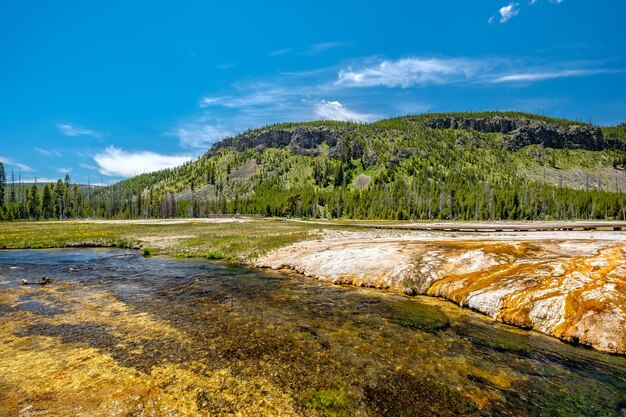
(463, 166)
(455, 166)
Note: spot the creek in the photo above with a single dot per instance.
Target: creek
(117, 334)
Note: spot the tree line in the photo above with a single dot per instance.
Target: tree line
(394, 169)
(19, 201)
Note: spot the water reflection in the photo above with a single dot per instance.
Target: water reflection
(119, 334)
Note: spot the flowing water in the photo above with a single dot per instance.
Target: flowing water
(116, 334)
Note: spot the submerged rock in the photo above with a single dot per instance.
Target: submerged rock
(43, 281)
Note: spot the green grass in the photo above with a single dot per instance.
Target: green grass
(415, 315)
(147, 252)
(615, 132)
(231, 241)
(333, 402)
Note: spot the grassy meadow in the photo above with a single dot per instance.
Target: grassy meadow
(235, 241)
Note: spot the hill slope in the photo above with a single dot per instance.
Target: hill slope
(468, 166)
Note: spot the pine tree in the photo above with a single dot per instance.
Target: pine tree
(59, 192)
(66, 195)
(3, 184)
(77, 202)
(12, 198)
(338, 175)
(33, 207)
(47, 202)
(139, 203)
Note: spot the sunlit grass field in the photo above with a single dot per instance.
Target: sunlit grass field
(236, 241)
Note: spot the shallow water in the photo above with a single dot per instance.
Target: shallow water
(117, 334)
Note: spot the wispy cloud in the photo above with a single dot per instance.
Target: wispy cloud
(522, 77)
(417, 71)
(200, 136)
(285, 97)
(211, 101)
(120, 163)
(312, 50)
(319, 48)
(334, 110)
(73, 130)
(40, 180)
(48, 152)
(11, 163)
(408, 72)
(252, 99)
(88, 166)
(533, 2)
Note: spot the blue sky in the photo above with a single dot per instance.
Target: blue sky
(106, 90)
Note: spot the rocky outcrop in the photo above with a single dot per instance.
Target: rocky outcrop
(519, 132)
(301, 140)
(573, 290)
(522, 132)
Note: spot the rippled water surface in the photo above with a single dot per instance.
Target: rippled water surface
(117, 334)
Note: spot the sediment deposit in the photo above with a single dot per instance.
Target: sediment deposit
(573, 289)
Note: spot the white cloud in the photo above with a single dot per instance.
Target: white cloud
(408, 72)
(508, 12)
(289, 97)
(72, 130)
(39, 180)
(10, 162)
(200, 136)
(48, 152)
(549, 75)
(253, 99)
(334, 110)
(533, 2)
(211, 101)
(88, 166)
(119, 163)
(319, 48)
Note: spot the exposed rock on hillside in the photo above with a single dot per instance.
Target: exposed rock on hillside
(524, 131)
(519, 131)
(302, 140)
(574, 290)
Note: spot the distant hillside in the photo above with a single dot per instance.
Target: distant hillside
(83, 187)
(463, 166)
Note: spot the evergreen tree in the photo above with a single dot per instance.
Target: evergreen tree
(12, 190)
(33, 207)
(3, 184)
(139, 204)
(77, 202)
(338, 175)
(67, 190)
(59, 193)
(47, 202)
